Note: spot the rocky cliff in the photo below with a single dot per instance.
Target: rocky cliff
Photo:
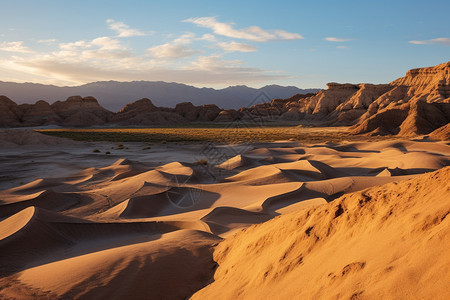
(417, 103)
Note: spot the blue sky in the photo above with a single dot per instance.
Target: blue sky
(221, 43)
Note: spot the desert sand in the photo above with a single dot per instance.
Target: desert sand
(272, 221)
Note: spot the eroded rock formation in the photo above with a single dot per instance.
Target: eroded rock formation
(415, 104)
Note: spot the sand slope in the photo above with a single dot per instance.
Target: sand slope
(383, 242)
(66, 257)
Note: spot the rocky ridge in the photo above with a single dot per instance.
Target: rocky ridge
(415, 104)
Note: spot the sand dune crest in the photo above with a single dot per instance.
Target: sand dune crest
(376, 243)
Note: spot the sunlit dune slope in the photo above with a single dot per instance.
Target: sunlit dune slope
(384, 242)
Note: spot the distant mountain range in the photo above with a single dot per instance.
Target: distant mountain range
(114, 95)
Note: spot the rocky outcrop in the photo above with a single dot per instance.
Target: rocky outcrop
(144, 112)
(74, 104)
(75, 111)
(441, 134)
(186, 109)
(38, 114)
(420, 102)
(348, 112)
(294, 108)
(431, 84)
(8, 113)
(79, 111)
(143, 104)
(208, 113)
(422, 118)
(327, 101)
(203, 113)
(227, 115)
(386, 121)
(415, 117)
(131, 112)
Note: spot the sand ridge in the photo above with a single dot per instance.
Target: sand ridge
(388, 241)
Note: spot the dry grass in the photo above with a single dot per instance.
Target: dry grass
(207, 134)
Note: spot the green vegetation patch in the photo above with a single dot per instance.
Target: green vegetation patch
(206, 134)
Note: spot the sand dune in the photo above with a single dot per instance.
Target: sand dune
(239, 161)
(384, 242)
(223, 219)
(144, 225)
(79, 258)
(46, 199)
(136, 270)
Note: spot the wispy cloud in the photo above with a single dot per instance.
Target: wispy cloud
(17, 47)
(101, 48)
(442, 41)
(106, 47)
(207, 37)
(236, 47)
(178, 48)
(213, 63)
(123, 30)
(172, 51)
(47, 41)
(342, 47)
(253, 33)
(337, 39)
